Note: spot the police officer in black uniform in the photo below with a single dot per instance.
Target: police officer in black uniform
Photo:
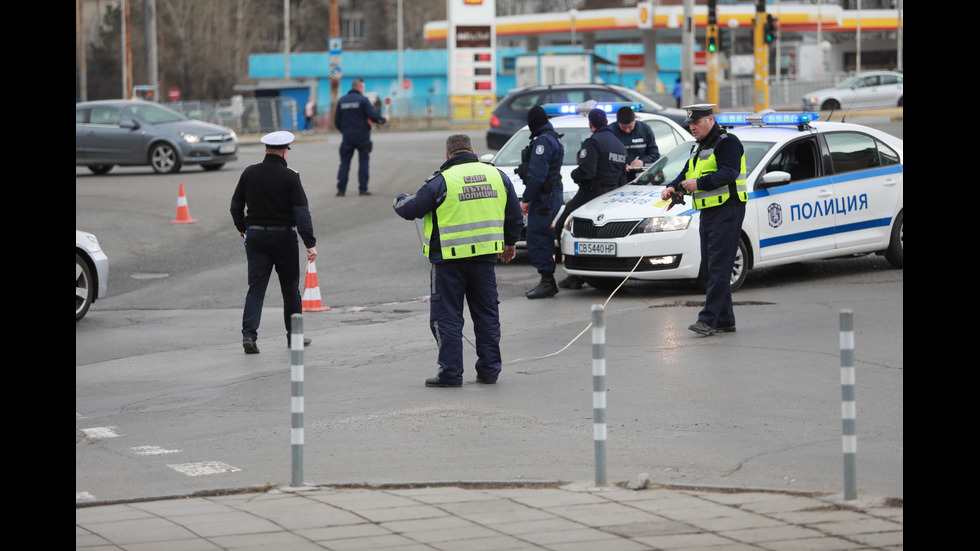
(541, 201)
(715, 179)
(277, 211)
(353, 118)
(601, 168)
(637, 136)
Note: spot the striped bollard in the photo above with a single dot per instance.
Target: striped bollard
(599, 392)
(848, 406)
(296, 376)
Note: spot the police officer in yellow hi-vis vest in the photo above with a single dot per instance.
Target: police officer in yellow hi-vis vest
(472, 216)
(715, 179)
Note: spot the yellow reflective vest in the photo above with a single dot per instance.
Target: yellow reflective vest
(706, 164)
(471, 218)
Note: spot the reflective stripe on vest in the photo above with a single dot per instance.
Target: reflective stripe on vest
(706, 164)
(471, 218)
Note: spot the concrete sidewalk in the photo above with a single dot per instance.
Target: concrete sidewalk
(469, 517)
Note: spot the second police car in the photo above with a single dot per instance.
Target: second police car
(816, 190)
(572, 122)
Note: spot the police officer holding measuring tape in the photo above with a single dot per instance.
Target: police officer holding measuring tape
(715, 179)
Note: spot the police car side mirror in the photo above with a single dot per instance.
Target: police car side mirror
(486, 157)
(774, 178)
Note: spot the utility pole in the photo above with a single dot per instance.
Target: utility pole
(711, 49)
(334, 82)
(687, 55)
(761, 41)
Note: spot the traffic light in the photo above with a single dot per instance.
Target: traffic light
(770, 28)
(712, 45)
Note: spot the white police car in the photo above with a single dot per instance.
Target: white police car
(574, 129)
(816, 190)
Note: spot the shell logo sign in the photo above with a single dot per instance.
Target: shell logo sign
(472, 2)
(644, 15)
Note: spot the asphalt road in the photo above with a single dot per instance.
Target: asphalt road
(167, 403)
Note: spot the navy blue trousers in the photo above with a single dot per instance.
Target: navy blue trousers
(347, 148)
(720, 231)
(267, 250)
(540, 235)
(476, 282)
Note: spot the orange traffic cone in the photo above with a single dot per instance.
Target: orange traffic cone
(311, 291)
(183, 213)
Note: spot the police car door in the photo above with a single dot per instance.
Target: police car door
(867, 184)
(792, 205)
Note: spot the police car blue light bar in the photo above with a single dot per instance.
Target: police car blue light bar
(772, 118)
(553, 109)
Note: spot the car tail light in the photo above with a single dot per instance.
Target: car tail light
(494, 121)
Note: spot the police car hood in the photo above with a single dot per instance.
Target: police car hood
(629, 202)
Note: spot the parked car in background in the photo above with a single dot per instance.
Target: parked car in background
(863, 90)
(816, 190)
(138, 133)
(511, 113)
(91, 272)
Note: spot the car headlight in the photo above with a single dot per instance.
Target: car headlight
(190, 138)
(662, 223)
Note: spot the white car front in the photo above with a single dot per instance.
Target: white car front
(816, 190)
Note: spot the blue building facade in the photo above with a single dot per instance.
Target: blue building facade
(424, 88)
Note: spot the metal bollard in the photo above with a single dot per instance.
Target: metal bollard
(599, 392)
(848, 406)
(296, 376)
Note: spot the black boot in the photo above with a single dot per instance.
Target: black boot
(546, 288)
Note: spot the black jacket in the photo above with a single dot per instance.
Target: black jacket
(274, 196)
(601, 162)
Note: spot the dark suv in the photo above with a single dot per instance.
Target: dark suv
(511, 113)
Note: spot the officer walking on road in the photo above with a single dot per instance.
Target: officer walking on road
(353, 118)
(277, 211)
(472, 216)
(540, 170)
(601, 168)
(715, 179)
(637, 137)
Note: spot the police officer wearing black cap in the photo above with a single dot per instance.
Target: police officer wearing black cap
(637, 136)
(716, 180)
(601, 168)
(277, 211)
(541, 173)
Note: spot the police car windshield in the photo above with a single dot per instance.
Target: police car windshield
(510, 153)
(665, 168)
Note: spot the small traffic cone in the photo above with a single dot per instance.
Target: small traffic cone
(311, 291)
(183, 213)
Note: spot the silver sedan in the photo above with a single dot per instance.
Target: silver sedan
(139, 133)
